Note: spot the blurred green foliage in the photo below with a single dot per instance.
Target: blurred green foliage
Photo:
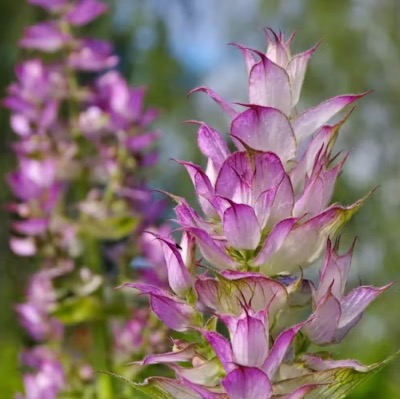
(172, 46)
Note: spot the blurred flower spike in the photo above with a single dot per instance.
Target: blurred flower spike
(84, 148)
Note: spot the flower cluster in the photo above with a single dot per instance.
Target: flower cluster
(82, 204)
(266, 216)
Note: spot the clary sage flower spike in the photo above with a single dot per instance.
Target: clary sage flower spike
(239, 305)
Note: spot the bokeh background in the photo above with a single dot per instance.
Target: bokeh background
(172, 46)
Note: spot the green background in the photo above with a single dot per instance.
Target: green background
(172, 46)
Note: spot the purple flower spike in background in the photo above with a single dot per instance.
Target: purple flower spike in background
(84, 149)
(244, 315)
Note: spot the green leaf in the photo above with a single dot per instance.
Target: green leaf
(79, 309)
(335, 383)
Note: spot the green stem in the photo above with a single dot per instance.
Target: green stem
(101, 342)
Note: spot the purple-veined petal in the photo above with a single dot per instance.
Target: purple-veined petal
(247, 383)
(202, 185)
(318, 364)
(343, 261)
(282, 206)
(241, 227)
(329, 178)
(183, 355)
(176, 314)
(269, 86)
(169, 388)
(305, 243)
(187, 216)
(234, 179)
(300, 393)
(227, 107)
(205, 393)
(296, 70)
(311, 202)
(207, 374)
(222, 348)
(279, 349)
(86, 11)
(212, 250)
(263, 206)
(212, 145)
(265, 129)
(352, 307)
(331, 278)
(258, 291)
(321, 328)
(249, 338)
(188, 251)
(312, 119)
(322, 143)
(278, 51)
(248, 56)
(179, 277)
(274, 241)
(268, 172)
(229, 294)
(243, 177)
